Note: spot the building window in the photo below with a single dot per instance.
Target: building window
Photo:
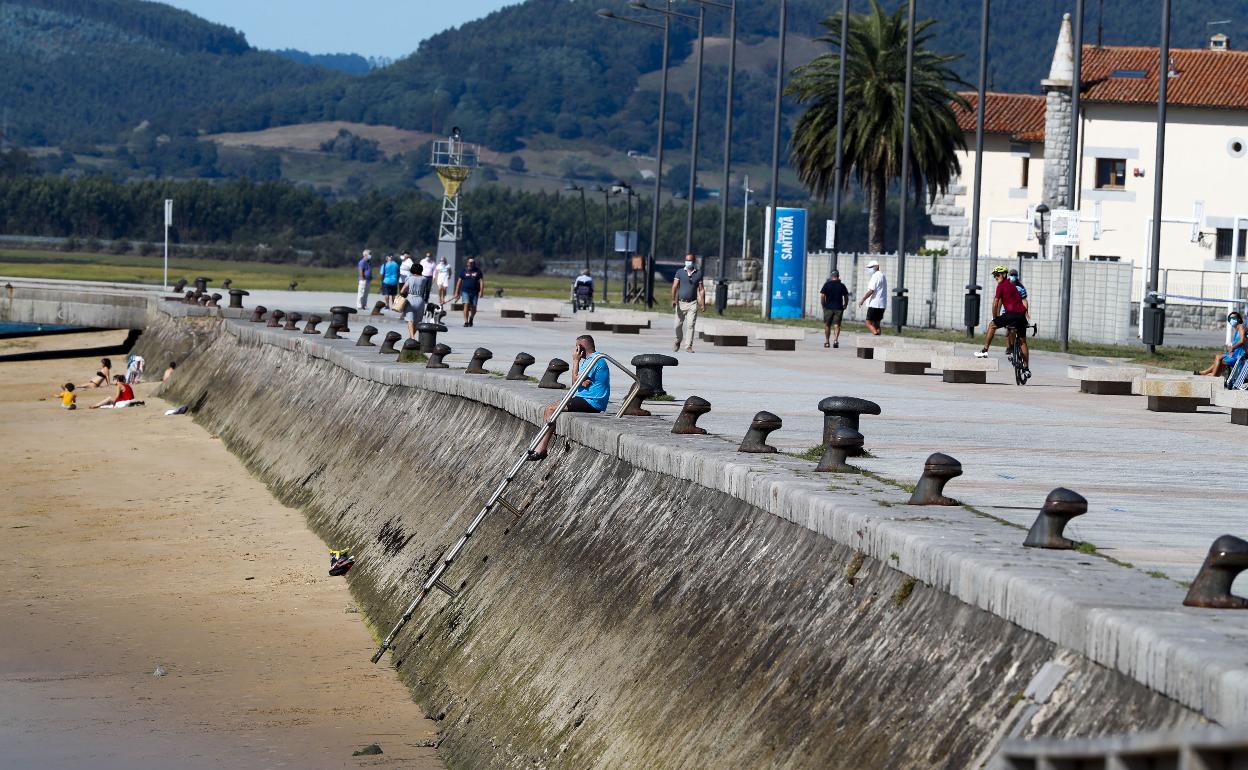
(1103, 258)
(1025, 177)
(1026, 254)
(1111, 173)
(1222, 249)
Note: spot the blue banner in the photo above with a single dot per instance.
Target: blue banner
(788, 263)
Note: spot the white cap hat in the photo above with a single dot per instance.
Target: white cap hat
(873, 263)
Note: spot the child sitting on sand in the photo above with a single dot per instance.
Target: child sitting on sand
(69, 400)
(123, 398)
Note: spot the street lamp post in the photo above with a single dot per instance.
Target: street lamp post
(573, 187)
(970, 304)
(1153, 317)
(900, 301)
(775, 144)
(606, 236)
(658, 172)
(837, 171)
(625, 187)
(1042, 235)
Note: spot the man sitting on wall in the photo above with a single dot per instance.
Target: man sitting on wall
(593, 390)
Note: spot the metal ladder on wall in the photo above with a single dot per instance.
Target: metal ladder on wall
(495, 501)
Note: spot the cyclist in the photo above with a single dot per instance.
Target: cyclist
(1009, 312)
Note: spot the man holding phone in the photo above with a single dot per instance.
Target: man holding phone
(593, 390)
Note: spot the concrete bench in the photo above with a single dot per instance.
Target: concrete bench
(867, 344)
(1236, 401)
(911, 358)
(724, 333)
(1176, 394)
(964, 369)
(779, 337)
(617, 321)
(1105, 380)
(510, 308)
(543, 310)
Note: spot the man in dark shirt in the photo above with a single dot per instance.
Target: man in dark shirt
(1008, 312)
(468, 286)
(835, 298)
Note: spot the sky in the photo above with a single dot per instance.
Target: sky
(390, 28)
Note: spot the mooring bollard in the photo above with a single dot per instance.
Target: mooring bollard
(191, 298)
(477, 364)
(258, 313)
(331, 332)
(687, 420)
(313, 320)
(293, 284)
(236, 297)
(377, 308)
(844, 442)
(937, 471)
(212, 300)
(844, 412)
(1060, 507)
(226, 283)
(275, 319)
(522, 362)
(387, 344)
(1227, 557)
(550, 379)
(427, 336)
(291, 320)
(201, 284)
(366, 338)
(180, 286)
(650, 371)
(762, 426)
(338, 314)
(632, 405)
(410, 353)
(440, 351)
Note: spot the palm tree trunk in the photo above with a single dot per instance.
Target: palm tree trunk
(876, 195)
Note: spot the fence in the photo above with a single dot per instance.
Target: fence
(1101, 292)
(1195, 299)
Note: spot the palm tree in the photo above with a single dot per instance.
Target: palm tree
(874, 111)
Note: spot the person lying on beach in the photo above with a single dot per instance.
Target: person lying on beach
(169, 372)
(124, 396)
(101, 377)
(69, 399)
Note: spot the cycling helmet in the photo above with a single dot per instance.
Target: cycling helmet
(1000, 270)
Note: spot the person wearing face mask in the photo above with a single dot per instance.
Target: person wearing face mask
(442, 277)
(688, 299)
(1234, 351)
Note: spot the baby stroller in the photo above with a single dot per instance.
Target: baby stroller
(583, 294)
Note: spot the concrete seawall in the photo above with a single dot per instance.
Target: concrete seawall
(667, 602)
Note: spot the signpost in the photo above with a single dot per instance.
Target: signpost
(786, 289)
(829, 239)
(168, 224)
(626, 241)
(1064, 227)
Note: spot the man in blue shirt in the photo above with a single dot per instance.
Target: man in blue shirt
(593, 390)
(468, 287)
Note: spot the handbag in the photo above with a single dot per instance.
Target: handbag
(399, 304)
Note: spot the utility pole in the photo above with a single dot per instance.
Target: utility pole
(838, 174)
(900, 302)
(970, 305)
(775, 149)
(1153, 317)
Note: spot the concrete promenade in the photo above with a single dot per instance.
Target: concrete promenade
(1160, 486)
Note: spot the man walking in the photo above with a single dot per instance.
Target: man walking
(468, 286)
(688, 299)
(428, 266)
(405, 268)
(835, 298)
(876, 297)
(364, 272)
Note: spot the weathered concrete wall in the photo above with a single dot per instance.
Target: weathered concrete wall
(631, 618)
(27, 303)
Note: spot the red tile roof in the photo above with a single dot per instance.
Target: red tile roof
(1019, 116)
(1205, 78)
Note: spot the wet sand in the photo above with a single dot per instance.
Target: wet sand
(134, 540)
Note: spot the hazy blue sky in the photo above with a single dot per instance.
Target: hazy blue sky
(370, 27)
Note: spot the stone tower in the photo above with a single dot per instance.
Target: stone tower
(1057, 92)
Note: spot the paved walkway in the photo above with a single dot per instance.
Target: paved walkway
(1160, 486)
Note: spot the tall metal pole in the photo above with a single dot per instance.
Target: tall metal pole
(1163, 75)
(584, 227)
(606, 243)
(628, 240)
(775, 143)
(697, 116)
(1072, 202)
(745, 218)
(838, 173)
(721, 285)
(970, 305)
(658, 171)
(899, 300)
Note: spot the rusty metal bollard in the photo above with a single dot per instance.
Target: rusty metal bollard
(201, 300)
(227, 283)
(687, 420)
(632, 405)
(477, 364)
(427, 336)
(214, 300)
(440, 351)
(1060, 507)
(755, 441)
(937, 471)
(387, 345)
(338, 314)
(180, 286)
(236, 297)
(275, 319)
(191, 298)
(650, 371)
(293, 284)
(1227, 557)
(258, 313)
(201, 284)
(291, 320)
(313, 320)
(331, 332)
(522, 362)
(410, 353)
(844, 412)
(377, 308)
(366, 338)
(844, 442)
(550, 379)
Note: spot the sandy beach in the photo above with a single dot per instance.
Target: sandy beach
(135, 540)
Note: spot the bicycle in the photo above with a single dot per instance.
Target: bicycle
(1014, 352)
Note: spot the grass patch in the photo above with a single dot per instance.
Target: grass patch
(855, 566)
(1086, 548)
(812, 455)
(894, 556)
(1156, 573)
(664, 397)
(903, 591)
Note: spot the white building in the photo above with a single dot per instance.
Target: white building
(1206, 163)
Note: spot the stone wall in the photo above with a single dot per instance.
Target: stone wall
(1057, 132)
